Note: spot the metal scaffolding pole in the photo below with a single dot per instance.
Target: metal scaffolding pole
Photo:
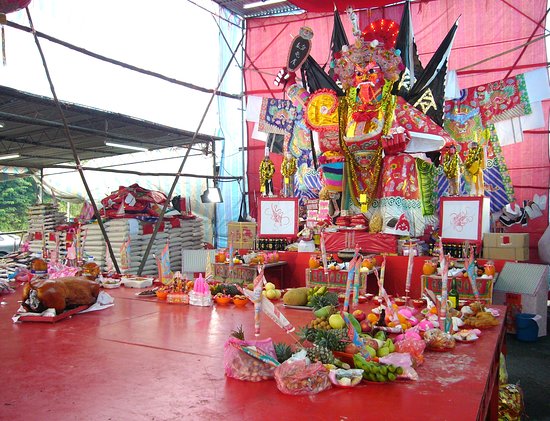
(72, 144)
(174, 184)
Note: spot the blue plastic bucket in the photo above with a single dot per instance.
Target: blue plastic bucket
(527, 329)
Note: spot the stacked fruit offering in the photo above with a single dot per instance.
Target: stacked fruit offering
(271, 292)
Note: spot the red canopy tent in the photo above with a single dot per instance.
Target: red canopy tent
(495, 39)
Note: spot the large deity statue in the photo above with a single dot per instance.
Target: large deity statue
(375, 133)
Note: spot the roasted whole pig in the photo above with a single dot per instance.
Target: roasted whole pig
(60, 294)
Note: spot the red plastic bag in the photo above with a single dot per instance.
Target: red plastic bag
(242, 366)
(414, 347)
(300, 377)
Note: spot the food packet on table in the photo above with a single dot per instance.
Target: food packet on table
(403, 360)
(439, 340)
(346, 378)
(242, 366)
(299, 376)
(413, 346)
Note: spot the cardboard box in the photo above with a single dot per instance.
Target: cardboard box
(503, 240)
(504, 253)
(506, 246)
(242, 235)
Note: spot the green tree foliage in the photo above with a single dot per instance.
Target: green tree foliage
(15, 198)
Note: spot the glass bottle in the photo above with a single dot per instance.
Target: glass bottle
(382, 318)
(39, 266)
(453, 296)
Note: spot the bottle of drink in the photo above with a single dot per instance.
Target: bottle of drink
(90, 269)
(453, 294)
(382, 318)
(39, 266)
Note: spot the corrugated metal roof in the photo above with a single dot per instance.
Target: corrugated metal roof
(521, 278)
(33, 128)
(237, 7)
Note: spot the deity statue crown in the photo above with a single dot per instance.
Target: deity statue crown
(360, 54)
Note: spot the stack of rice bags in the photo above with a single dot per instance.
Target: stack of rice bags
(185, 234)
(93, 244)
(43, 218)
(135, 236)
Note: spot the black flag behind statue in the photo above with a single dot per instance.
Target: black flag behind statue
(315, 77)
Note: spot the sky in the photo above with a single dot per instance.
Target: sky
(175, 38)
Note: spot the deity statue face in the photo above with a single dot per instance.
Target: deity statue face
(371, 74)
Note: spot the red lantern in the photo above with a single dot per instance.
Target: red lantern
(8, 6)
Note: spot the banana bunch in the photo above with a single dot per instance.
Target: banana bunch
(315, 291)
(376, 372)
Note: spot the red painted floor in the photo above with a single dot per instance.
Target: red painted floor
(149, 360)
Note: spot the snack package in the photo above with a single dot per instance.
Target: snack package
(239, 365)
(346, 378)
(438, 340)
(301, 377)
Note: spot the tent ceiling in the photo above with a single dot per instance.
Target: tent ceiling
(342, 5)
(294, 6)
(33, 128)
(237, 8)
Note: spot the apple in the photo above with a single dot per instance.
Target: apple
(365, 326)
(269, 286)
(359, 315)
(351, 349)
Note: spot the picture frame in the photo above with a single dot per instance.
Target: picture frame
(462, 219)
(278, 217)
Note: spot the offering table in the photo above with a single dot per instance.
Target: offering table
(177, 350)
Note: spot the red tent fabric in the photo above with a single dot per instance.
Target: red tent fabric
(328, 5)
(495, 39)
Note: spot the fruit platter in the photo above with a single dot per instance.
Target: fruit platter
(379, 341)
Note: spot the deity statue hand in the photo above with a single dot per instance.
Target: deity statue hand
(396, 141)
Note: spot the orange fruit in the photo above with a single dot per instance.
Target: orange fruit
(373, 318)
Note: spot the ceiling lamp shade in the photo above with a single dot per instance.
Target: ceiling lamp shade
(9, 6)
(212, 195)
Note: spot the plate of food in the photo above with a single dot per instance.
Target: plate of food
(467, 336)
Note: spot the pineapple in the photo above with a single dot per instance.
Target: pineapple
(307, 333)
(238, 333)
(333, 339)
(320, 301)
(283, 352)
(320, 353)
